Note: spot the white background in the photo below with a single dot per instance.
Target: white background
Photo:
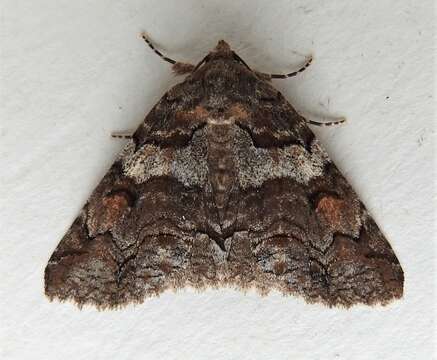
(74, 71)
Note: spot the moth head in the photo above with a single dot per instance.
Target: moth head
(221, 51)
(224, 51)
(223, 48)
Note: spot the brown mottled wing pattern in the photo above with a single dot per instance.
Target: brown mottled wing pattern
(224, 184)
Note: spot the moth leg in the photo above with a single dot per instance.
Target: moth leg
(179, 68)
(329, 123)
(122, 134)
(294, 73)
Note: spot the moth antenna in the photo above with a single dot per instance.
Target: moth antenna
(157, 52)
(330, 123)
(122, 134)
(294, 73)
(178, 67)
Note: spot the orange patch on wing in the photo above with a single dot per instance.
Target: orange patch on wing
(238, 112)
(113, 207)
(198, 113)
(332, 209)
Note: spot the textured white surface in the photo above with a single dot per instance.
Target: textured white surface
(74, 71)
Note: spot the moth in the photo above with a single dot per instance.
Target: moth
(223, 184)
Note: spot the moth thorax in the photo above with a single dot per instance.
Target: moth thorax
(221, 166)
